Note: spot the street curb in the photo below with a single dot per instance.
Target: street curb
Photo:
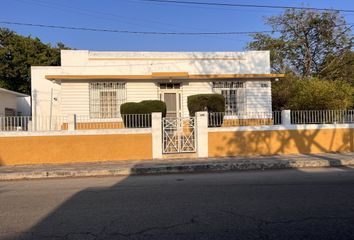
(166, 168)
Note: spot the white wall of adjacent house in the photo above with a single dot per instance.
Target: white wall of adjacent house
(23, 105)
(7, 100)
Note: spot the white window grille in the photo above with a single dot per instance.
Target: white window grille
(106, 98)
(170, 85)
(234, 94)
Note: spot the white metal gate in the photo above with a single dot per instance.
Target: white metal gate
(179, 135)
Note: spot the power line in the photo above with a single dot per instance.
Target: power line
(130, 32)
(137, 32)
(122, 18)
(247, 5)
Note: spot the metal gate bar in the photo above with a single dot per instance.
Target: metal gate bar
(179, 135)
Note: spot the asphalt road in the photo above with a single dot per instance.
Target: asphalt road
(283, 204)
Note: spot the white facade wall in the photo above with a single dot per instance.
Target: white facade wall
(144, 63)
(72, 96)
(142, 90)
(41, 91)
(75, 95)
(258, 98)
(75, 98)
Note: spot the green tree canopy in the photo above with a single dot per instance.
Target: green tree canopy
(318, 94)
(18, 54)
(312, 94)
(305, 41)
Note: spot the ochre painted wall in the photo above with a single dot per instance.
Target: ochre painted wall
(74, 148)
(244, 143)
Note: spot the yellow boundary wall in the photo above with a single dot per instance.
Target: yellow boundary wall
(19, 150)
(279, 141)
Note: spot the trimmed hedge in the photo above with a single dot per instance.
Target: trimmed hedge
(207, 102)
(143, 107)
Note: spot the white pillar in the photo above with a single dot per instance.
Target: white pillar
(71, 122)
(156, 127)
(202, 134)
(285, 118)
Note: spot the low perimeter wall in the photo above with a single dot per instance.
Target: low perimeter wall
(74, 148)
(265, 140)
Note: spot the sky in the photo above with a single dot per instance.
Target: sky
(135, 15)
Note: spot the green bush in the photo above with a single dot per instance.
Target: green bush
(143, 107)
(207, 102)
(316, 94)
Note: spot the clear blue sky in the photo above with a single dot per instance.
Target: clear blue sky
(142, 16)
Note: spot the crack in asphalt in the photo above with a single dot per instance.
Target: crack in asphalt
(284, 222)
(146, 230)
(104, 233)
(262, 223)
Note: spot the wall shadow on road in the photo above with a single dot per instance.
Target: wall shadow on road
(155, 207)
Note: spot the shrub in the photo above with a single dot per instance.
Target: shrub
(207, 102)
(316, 94)
(143, 107)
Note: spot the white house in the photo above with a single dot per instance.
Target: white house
(14, 103)
(95, 84)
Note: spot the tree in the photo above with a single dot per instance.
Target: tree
(283, 91)
(339, 68)
(305, 41)
(18, 54)
(315, 94)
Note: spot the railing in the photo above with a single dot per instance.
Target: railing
(125, 121)
(220, 119)
(29, 123)
(322, 116)
(60, 123)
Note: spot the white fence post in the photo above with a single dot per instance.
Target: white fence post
(72, 122)
(202, 134)
(286, 117)
(156, 128)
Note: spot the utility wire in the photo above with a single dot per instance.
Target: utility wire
(247, 5)
(137, 32)
(130, 32)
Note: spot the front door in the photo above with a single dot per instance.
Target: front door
(171, 100)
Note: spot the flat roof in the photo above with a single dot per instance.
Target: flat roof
(167, 75)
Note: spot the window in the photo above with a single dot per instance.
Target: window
(10, 112)
(264, 85)
(106, 98)
(170, 86)
(234, 94)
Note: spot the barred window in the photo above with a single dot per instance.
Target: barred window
(234, 94)
(106, 98)
(228, 84)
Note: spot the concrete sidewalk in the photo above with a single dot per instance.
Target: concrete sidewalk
(120, 168)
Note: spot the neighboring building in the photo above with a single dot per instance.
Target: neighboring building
(95, 84)
(14, 103)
